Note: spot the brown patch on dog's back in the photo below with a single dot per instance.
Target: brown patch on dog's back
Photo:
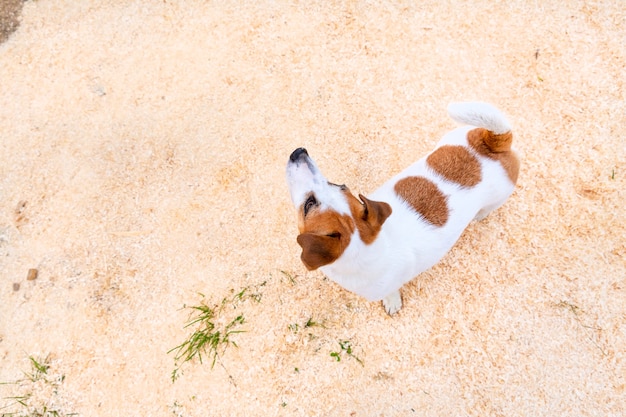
(456, 164)
(425, 197)
(496, 147)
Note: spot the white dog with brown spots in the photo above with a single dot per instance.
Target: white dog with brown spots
(372, 246)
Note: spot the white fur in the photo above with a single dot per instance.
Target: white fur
(407, 245)
(480, 115)
(304, 178)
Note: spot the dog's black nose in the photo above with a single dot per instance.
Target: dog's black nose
(296, 154)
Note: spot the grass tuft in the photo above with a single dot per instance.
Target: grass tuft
(576, 311)
(36, 386)
(38, 369)
(213, 332)
(346, 347)
(290, 277)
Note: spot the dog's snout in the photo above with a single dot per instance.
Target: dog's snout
(297, 153)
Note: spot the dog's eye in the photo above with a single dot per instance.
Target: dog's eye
(309, 204)
(335, 235)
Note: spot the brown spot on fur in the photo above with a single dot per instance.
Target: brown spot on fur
(425, 197)
(324, 236)
(456, 164)
(318, 250)
(496, 147)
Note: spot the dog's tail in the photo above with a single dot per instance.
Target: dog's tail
(497, 135)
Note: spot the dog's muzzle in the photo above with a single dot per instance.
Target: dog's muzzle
(303, 176)
(297, 154)
(300, 158)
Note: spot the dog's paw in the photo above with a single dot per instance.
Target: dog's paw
(392, 303)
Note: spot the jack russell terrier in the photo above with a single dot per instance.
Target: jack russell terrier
(372, 246)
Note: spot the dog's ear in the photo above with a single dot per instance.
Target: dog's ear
(371, 218)
(318, 250)
(375, 213)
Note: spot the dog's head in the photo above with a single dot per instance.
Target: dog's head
(328, 214)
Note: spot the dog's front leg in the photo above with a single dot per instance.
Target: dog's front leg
(393, 302)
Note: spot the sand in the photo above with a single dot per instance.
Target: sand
(143, 153)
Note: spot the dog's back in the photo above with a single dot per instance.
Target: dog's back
(470, 173)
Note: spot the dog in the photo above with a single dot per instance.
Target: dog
(373, 245)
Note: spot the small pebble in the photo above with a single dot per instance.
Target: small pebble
(16, 286)
(32, 274)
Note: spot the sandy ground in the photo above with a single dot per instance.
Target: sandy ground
(143, 147)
